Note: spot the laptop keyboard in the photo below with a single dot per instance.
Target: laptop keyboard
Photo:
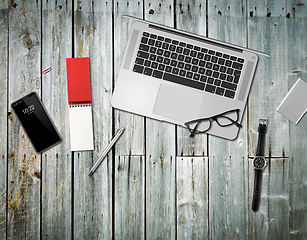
(189, 65)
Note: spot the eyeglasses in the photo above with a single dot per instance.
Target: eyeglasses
(224, 119)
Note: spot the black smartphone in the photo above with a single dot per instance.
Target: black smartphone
(36, 122)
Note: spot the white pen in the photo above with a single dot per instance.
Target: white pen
(118, 133)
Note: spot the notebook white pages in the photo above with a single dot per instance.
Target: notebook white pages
(81, 127)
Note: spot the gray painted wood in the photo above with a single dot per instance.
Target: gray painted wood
(228, 166)
(192, 173)
(129, 212)
(192, 198)
(93, 195)
(268, 21)
(160, 154)
(153, 191)
(3, 114)
(296, 67)
(271, 221)
(132, 142)
(56, 163)
(191, 17)
(267, 33)
(23, 163)
(130, 197)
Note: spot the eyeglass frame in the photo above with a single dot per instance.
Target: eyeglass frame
(211, 119)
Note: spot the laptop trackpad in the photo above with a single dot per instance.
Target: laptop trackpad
(177, 103)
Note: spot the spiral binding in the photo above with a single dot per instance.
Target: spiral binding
(80, 104)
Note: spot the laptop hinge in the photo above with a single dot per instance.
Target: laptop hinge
(196, 38)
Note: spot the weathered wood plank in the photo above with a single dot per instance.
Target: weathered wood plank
(297, 54)
(192, 198)
(191, 17)
(267, 33)
(268, 21)
(129, 215)
(56, 163)
(145, 196)
(130, 197)
(23, 163)
(160, 154)
(192, 173)
(271, 221)
(3, 115)
(228, 167)
(132, 142)
(93, 195)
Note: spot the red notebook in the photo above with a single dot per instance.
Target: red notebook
(78, 80)
(79, 101)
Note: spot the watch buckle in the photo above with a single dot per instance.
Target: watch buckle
(263, 121)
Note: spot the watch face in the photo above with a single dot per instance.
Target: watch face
(259, 162)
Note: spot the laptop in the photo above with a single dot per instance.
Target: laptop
(175, 76)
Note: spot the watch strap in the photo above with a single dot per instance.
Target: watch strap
(257, 190)
(261, 138)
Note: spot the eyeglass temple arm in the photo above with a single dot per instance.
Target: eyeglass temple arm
(193, 131)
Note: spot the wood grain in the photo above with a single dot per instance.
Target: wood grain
(267, 33)
(296, 24)
(228, 167)
(56, 163)
(160, 153)
(93, 195)
(157, 183)
(24, 165)
(192, 173)
(192, 198)
(129, 209)
(130, 197)
(132, 142)
(191, 17)
(3, 115)
(271, 221)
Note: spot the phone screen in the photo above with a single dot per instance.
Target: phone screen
(36, 122)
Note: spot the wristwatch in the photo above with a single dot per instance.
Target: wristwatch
(259, 163)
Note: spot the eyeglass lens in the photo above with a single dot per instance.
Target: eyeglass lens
(227, 118)
(224, 120)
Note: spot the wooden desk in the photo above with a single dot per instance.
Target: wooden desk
(158, 183)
